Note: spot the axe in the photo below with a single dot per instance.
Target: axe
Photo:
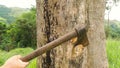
(80, 32)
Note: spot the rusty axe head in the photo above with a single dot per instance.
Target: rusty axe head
(81, 36)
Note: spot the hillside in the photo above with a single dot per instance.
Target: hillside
(10, 13)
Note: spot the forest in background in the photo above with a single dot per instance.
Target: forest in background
(17, 28)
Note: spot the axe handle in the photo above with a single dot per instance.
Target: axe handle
(49, 46)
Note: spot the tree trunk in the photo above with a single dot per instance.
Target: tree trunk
(96, 50)
(58, 17)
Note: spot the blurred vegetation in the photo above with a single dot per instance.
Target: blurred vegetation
(23, 31)
(21, 51)
(20, 33)
(5, 13)
(10, 14)
(112, 29)
(113, 48)
(2, 27)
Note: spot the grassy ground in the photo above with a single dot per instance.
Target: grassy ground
(113, 53)
(22, 51)
(113, 49)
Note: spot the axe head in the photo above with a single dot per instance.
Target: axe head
(81, 36)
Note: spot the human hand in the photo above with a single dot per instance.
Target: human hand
(15, 62)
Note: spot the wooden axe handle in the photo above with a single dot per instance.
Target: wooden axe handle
(51, 45)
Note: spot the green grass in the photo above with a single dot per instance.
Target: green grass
(113, 53)
(21, 51)
(32, 64)
(2, 53)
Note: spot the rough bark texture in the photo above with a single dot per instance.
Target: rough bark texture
(96, 50)
(57, 17)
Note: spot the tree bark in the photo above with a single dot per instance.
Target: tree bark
(57, 17)
(96, 50)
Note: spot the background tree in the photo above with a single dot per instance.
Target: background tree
(56, 18)
(2, 28)
(24, 30)
(21, 33)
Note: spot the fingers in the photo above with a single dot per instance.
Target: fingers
(15, 62)
(19, 62)
(18, 56)
(23, 64)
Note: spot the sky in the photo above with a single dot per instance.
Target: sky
(114, 14)
(18, 3)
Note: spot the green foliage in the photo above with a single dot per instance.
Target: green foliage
(21, 51)
(2, 24)
(2, 53)
(21, 33)
(113, 49)
(2, 20)
(113, 29)
(33, 64)
(2, 28)
(6, 41)
(24, 31)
